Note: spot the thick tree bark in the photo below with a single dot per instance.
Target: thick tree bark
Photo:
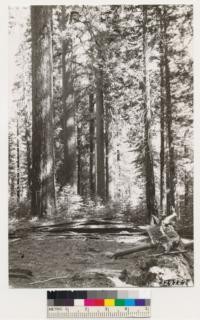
(92, 146)
(162, 117)
(170, 174)
(100, 136)
(69, 130)
(149, 171)
(43, 189)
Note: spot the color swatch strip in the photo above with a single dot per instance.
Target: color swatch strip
(99, 302)
(98, 298)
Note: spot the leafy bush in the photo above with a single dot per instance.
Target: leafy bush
(19, 210)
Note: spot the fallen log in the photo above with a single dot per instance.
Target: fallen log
(141, 247)
(161, 235)
(169, 218)
(187, 244)
(20, 273)
(20, 270)
(168, 253)
(146, 246)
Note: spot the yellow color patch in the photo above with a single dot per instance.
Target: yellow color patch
(109, 302)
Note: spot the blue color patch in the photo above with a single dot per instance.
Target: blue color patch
(140, 302)
(129, 302)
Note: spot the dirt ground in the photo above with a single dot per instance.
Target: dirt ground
(81, 262)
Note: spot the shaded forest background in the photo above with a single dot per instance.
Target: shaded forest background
(101, 112)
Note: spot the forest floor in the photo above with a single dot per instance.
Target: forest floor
(76, 254)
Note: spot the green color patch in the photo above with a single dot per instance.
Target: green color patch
(119, 302)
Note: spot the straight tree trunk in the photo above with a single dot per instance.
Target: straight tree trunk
(27, 135)
(43, 188)
(100, 135)
(107, 152)
(18, 164)
(168, 188)
(69, 130)
(170, 174)
(92, 146)
(79, 173)
(149, 172)
(28, 159)
(118, 158)
(162, 117)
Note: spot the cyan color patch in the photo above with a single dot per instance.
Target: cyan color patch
(129, 302)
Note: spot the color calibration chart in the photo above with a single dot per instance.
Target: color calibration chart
(99, 304)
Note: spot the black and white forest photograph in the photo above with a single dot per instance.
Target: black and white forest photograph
(100, 142)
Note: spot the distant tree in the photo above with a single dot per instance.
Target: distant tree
(12, 164)
(107, 149)
(92, 145)
(100, 134)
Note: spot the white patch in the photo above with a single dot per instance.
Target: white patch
(164, 273)
(49, 166)
(34, 219)
(70, 122)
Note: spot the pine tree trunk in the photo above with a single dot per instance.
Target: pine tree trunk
(28, 157)
(107, 152)
(43, 188)
(118, 158)
(170, 174)
(149, 172)
(28, 153)
(79, 173)
(18, 165)
(168, 203)
(27, 136)
(162, 118)
(100, 135)
(92, 133)
(69, 130)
